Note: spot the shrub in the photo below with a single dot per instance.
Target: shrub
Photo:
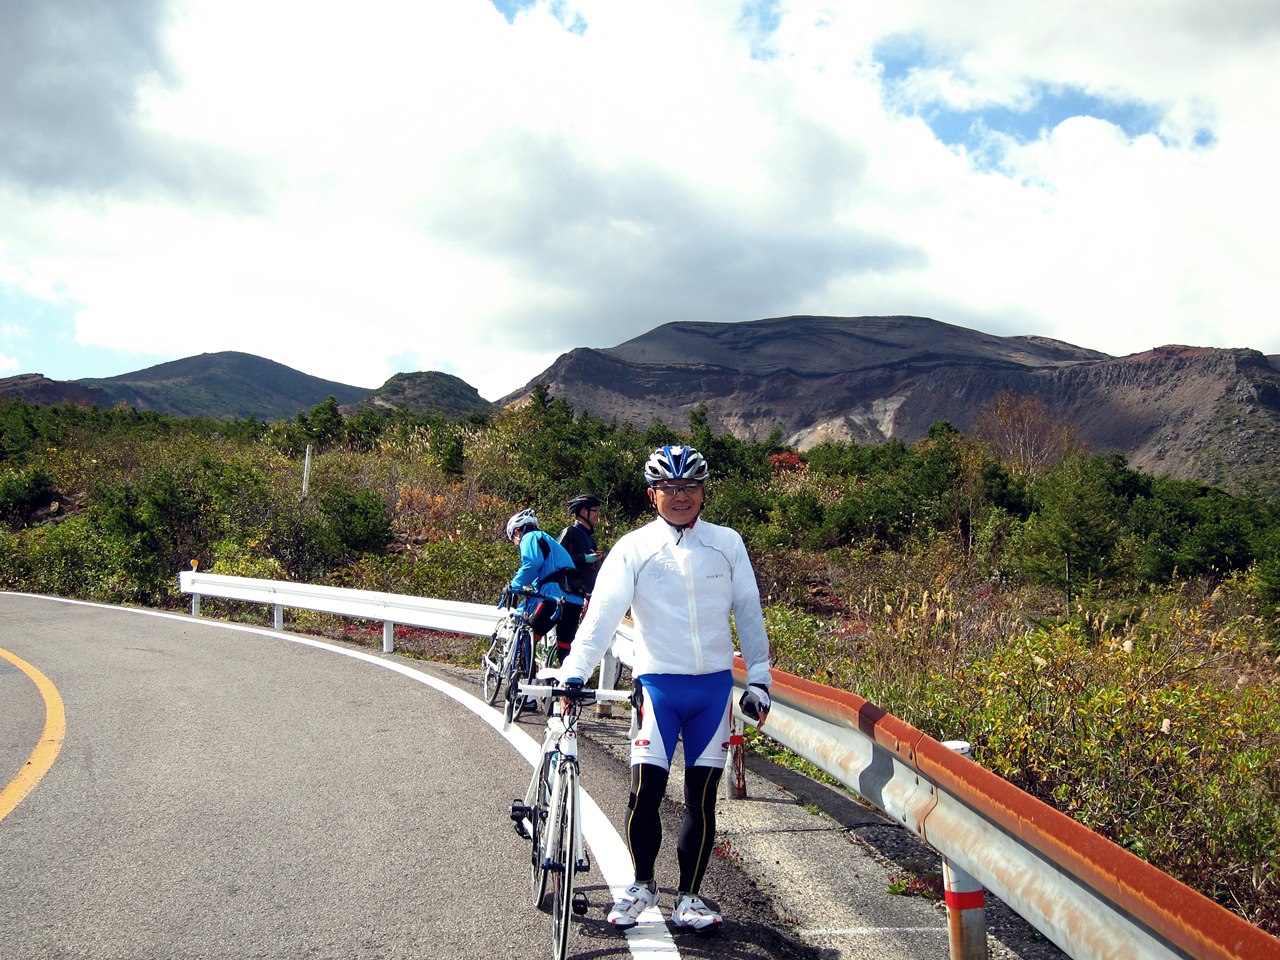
(466, 570)
(23, 492)
(357, 519)
(1144, 744)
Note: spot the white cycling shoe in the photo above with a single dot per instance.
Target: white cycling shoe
(692, 914)
(635, 900)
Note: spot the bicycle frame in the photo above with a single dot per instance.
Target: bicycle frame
(552, 804)
(511, 657)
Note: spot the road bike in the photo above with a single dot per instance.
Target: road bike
(510, 657)
(549, 816)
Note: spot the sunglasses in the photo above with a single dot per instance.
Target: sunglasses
(671, 489)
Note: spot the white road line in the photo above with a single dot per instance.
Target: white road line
(649, 937)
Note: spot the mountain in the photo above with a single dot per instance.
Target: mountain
(226, 385)
(1207, 414)
(432, 391)
(215, 385)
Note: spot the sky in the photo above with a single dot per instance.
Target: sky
(478, 186)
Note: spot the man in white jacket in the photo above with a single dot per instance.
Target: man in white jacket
(682, 579)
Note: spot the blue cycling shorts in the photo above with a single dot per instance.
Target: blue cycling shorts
(692, 708)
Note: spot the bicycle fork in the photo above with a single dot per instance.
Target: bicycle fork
(560, 749)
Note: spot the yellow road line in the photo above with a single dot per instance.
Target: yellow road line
(50, 744)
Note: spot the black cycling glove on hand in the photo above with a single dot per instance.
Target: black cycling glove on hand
(755, 702)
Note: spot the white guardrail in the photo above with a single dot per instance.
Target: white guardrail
(1093, 899)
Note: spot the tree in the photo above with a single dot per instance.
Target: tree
(326, 424)
(1071, 539)
(1022, 433)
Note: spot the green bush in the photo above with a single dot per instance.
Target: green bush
(1145, 745)
(466, 570)
(23, 492)
(358, 519)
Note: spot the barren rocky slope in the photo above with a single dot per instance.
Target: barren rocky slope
(1202, 413)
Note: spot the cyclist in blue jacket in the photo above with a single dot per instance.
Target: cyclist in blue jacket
(682, 578)
(545, 566)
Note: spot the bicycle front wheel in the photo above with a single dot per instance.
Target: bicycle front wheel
(564, 859)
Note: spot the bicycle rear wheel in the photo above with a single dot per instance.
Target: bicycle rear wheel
(490, 678)
(538, 823)
(564, 859)
(521, 669)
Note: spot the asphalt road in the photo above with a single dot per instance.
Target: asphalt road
(225, 791)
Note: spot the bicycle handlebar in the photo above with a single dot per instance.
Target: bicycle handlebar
(510, 597)
(586, 694)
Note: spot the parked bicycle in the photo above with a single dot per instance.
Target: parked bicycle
(549, 815)
(511, 656)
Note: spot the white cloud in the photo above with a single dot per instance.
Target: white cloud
(429, 181)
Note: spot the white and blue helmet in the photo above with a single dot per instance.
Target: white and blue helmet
(675, 463)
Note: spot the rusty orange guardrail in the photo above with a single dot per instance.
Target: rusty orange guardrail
(1091, 897)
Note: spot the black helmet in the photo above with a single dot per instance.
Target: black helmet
(583, 501)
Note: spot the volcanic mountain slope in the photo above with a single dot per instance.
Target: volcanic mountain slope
(216, 385)
(1207, 414)
(428, 392)
(203, 385)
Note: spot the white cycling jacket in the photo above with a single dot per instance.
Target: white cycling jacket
(680, 586)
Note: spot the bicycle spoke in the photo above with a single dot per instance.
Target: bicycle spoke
(520, 670)
(565, 863)
(490, 678)
(538, 818)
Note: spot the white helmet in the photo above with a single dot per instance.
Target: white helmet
(675, 463)
(521, 520)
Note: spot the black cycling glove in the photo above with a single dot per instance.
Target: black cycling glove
(755, 702)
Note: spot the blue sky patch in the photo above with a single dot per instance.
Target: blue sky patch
(1049, 109)
(1048, 106)
(40, 336)
(571, 22)
(509, 8)
(759, 20)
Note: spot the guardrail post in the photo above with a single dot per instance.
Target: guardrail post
(195, 604)
(966, 913)
(388, 636)
(735, 785)
(966, 900)
(278, 616)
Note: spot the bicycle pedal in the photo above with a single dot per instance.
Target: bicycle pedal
(520, 811)
(580, 903)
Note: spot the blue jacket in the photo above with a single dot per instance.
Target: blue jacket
(541, 559)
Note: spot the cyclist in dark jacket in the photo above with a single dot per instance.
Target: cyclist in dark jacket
(579, 540)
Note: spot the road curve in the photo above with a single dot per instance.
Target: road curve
(223, 793)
